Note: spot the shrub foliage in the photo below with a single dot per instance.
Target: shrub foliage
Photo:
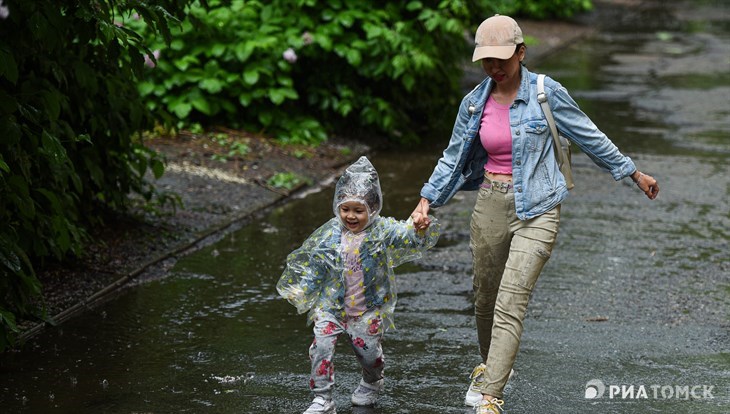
(69, 108)
(302, 69)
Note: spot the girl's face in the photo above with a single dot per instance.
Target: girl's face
(504, 70)
(354, 216)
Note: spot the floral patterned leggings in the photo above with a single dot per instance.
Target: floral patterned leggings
(365, 333)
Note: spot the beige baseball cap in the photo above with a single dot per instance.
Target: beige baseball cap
(497, 37)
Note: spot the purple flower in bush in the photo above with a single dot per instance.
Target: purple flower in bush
(149, 62)
(290, 55)
(4, 11)
(307, 38)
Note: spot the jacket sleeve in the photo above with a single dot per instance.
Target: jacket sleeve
(403, 243)
(580, 129)
(460, 166)
(307, 268)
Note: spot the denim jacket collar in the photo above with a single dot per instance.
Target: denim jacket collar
(524, 94)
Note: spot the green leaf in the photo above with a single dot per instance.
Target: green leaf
(145, 87)
(266, 118)
(324, 41)
(277, 96)
(353, 57)
(182, 109)
(201, 104)
(177, 44)
(9, 259)
(245, 99)
(408, 81)
(52, 104)
(185, 62)
(414, 5)
(53, 147)
(9, 131)
(218, 49)
(53, 200)
(211, 85)
(20, 196)
(372, 31)
(346, 20)
(8, 66)
(251, 76)
(60, 228)
(8, 319)
(86, 76)
(158, 168)
(244, 50)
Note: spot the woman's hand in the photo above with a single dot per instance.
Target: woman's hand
(420, 215)
(646, 183)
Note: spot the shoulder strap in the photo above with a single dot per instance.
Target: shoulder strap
(542, 98)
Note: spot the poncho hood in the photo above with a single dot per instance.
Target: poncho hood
(359, 183)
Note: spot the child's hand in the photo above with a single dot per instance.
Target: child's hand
(420, 215)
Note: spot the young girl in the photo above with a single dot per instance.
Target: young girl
(343, 275)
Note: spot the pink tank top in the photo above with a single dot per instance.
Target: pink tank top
(354, 277)
(496, 137)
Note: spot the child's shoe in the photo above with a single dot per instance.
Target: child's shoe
(320, 405)
(489, 407)
(367, 394)
(473, 395)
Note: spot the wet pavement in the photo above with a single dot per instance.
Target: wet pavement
(636, 295)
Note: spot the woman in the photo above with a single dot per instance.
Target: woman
(502, 146)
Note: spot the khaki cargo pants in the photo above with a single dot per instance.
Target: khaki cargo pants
(508, 256)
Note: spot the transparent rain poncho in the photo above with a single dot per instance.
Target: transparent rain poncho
(316, 274)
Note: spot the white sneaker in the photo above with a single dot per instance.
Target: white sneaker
(367, 394)
(321, 406)
(490, 407)
(473, 395)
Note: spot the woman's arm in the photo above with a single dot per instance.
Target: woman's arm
(579, 128)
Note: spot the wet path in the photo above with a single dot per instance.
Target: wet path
(637, 292)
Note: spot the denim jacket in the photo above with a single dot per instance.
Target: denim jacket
(538, 184)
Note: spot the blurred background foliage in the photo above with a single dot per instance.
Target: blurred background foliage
(80, 80)
(301, 70)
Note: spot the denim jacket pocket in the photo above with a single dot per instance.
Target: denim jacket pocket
(536, 134)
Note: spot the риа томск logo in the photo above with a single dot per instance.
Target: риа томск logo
(596, 389)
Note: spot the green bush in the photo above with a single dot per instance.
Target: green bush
(303, 69)
(535, 9)
(69, 109)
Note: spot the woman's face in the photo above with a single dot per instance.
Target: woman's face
(504, 70)
(354, 216)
